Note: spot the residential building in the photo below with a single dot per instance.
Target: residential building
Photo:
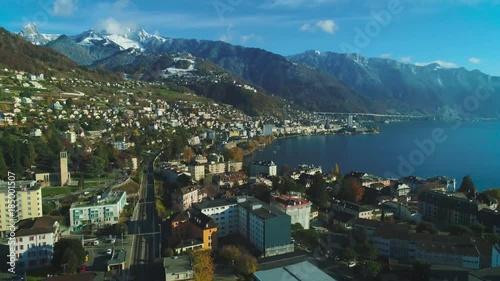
(230, 179)
(193, 230)
(304, 271)
(36, 133)
(298, 208)
(102, 210)
(490, 219)
(357, 211)
(197, 172)
(70, 136)
(267, 130)
(183, 198)
(35, 239)
(264, 226)
(61, 178)
(448, 209)
(173, 172)
(178, 268)
(400, 189)
(28, 203)
(267, 168)
(395, 241)
(216, 168)
(232, 167)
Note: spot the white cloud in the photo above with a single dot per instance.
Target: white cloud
(112, 26)
(385, 56)
(441, 63)
(64, 8)
(245, 38)
(475, 60)
(405, 59)
(328, 26)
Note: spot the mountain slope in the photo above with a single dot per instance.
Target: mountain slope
(31, 33)
(430, 89)
(19, 54)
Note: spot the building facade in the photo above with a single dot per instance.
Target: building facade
(297, 208)
(183, 198)
(197, 172)
(264, 226)
(28, 202)
(35, 239)
(102, 210)
(267, 168)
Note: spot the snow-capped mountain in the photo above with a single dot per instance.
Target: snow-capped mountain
(31, 33)
(137, 39)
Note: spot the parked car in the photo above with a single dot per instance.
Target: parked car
(109, 252)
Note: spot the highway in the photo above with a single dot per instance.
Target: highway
(144, 262)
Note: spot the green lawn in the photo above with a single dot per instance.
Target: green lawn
(48, 191)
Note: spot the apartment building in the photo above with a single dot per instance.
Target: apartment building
(191, 231)
(232, 166)
(396, 241)
(298, 208)
(28, 197)
(35, 239)
(101, 210)
(355, 210)
(264, 226)
(448, 209)
(267, 168)
(183, 198)
(216, 168)
(197, 172)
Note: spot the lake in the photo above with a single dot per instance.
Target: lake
(423, 149)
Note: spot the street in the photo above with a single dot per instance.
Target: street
(143, 261)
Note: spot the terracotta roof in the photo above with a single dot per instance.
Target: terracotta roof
(34, 226)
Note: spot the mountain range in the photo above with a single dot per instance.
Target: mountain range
(317, 81)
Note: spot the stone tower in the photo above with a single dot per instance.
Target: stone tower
(63, 161)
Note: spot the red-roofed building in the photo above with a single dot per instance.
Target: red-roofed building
(298, 208)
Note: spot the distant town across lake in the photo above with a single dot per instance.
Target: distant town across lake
(423, 149)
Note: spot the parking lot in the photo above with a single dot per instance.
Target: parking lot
(99, 255)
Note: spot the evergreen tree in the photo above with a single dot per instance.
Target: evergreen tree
(16, 159)
(468, 187)
(4, 169)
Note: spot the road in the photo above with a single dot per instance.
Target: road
(144, 262)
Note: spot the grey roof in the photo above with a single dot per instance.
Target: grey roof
(178, 264)
(487, 274)
(304, 271)
(214, 203)
(261, 209)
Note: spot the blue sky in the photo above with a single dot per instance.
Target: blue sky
(454, 32)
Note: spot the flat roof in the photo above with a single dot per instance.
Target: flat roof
(177, 264)
(208, 203)
(304, 271)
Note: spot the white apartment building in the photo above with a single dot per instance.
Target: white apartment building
(216, 168)
(102, 210)
(267, 168)
(197, 172)
(297, 208)
(28, 197)
(35, 239)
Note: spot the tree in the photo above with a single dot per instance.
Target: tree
(16, 158)
(352, 190)
(421, 271)
(426, 226)
(234, 154)
(478, 229)
(3, 166)
(169, 252)
(96, 166)
(69, 252)
(349, 254)
(468, 187)
(30, 155)
(370, 269)
(246, 264)
(188, 154)
(230, 253)
(317, 191)
(460, 230)
(69, 102)
(203, 266)
(297, 226)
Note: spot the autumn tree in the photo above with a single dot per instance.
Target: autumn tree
(234, 154)
(230, 252)
(246, 264)
(203, 266)
(352, 190)
(188, 154)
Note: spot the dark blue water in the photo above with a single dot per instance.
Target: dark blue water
(422, 149)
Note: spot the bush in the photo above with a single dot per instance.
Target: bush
(169, 252)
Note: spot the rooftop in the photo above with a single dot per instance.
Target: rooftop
(304, 271)
(449, 201)
(34, 226)
(487, 274)
(289, 200)
(29, 185)
(178, 264)
(259, 208)
(109, 198)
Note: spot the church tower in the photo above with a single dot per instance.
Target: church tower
(63, 161)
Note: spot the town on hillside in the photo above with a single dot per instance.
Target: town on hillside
(133, 180)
